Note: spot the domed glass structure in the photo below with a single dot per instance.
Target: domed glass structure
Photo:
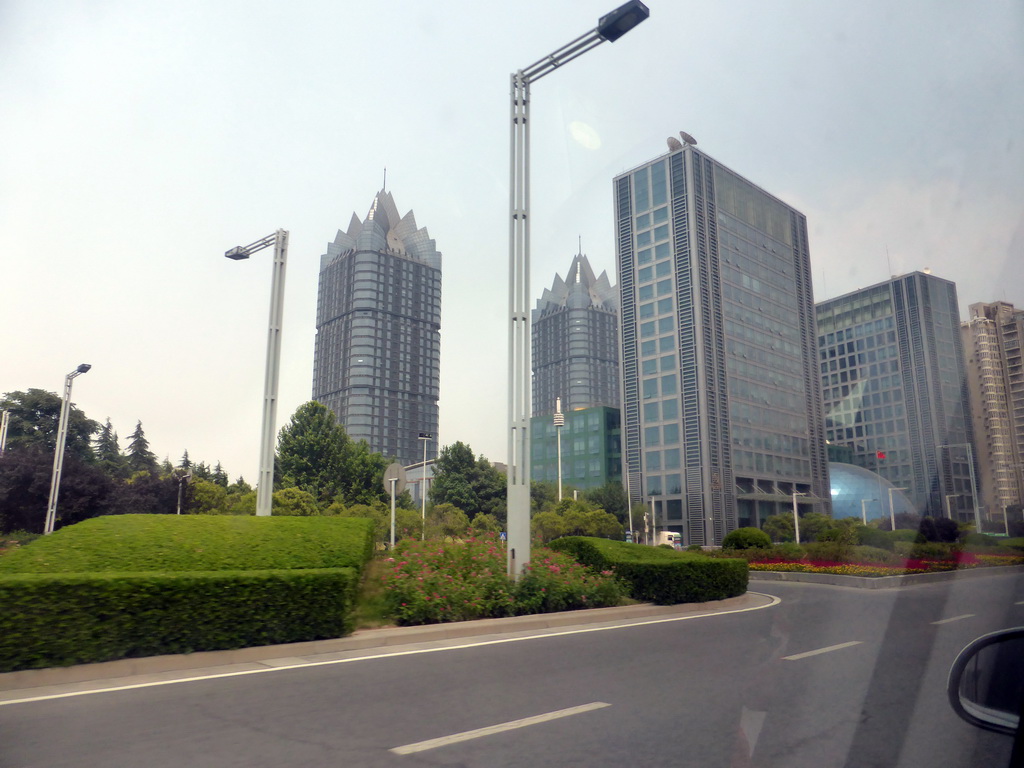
(852, 485)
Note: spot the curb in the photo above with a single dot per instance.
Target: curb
(361, 640)
(884, 582)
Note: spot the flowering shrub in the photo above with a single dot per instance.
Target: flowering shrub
(961, 560)
(431, 582)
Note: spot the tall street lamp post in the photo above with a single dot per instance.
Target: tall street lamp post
(265, 484)
(559, 422)
(5, 419)
(796, 515)
(58, 456)
(425, 437)
(609, 27)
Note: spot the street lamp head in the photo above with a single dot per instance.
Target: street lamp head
(83, 368)
(238, 253)
(614, 25)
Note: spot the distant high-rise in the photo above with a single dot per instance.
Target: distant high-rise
(376, 362)
(992, 341)
(575, 330)
(893, 379)
(722, 403)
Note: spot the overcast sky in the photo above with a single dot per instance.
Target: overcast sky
(141, 139)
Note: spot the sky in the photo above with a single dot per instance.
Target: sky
(142, 139)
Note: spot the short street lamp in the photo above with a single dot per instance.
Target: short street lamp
(609, 27)
(265, 483)
(58, 456)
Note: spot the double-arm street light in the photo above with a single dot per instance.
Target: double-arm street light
(58, 455)
(610, 27)
(265, 484)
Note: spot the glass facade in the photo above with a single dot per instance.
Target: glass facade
(892, 373)
(575, 342)
(721, 401)
(376, 359)
(861, 493)
(591, 448)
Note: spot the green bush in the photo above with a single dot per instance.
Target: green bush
(980, 540)
(133, 543)
(68, 618)
(873, 537)
(662, 576)
(746, 538)
(933, 550)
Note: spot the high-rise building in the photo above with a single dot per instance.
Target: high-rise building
(376, 361)
(995, 374)
(893, 379)
(721, 399)
(591, 448)
(575, 330)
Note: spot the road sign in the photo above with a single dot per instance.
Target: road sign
(394, 472)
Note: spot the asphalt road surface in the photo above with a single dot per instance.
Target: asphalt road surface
(827, 676)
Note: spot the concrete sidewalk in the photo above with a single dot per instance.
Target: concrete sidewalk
(112, 674)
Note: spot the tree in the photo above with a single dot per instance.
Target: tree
(35, 421)
(311, 452)
(446, 521)
(484, 523)
(108, 452)
(779, 528)
(220, 477)
(85, 490)
(185, 462)
(207, 498)
(611, 497)
(471, 484)
(140, 458)
(295, 502)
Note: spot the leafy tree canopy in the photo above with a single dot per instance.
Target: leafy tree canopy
(35, 420)
(470, 484)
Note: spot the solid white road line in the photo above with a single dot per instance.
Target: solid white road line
(455, 738)
(953, 618)
(1019, 602)
(388, 654)
(829, 649)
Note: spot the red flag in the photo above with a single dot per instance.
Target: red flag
(879, 454)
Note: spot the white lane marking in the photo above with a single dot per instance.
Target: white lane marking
(1019, 602)
(953, 618)
(371, 657)
(511, 725)
(829, 649)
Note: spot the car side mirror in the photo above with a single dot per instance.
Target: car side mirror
(986, 682)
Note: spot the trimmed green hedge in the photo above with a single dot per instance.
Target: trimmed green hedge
(134, 543)
(662, 576)
(142, 585)
(61, 619)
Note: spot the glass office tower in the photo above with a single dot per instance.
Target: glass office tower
(722, 403)
(575, 342)
(893, 378)
(376, 362)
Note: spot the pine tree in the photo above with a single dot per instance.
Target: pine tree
(140, 458)
(185, 463)
(108, 452)
(220, 477)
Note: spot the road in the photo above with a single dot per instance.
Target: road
(828, 676)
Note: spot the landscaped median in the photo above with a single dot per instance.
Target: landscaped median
(662, 576)
(140, 585)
